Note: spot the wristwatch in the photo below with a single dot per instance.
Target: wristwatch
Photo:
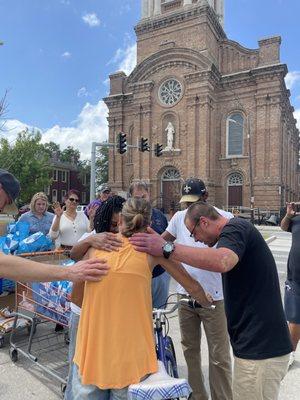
(168, 249)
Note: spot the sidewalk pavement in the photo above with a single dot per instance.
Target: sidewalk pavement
(24, 380)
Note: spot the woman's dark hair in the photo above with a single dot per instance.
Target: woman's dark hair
(73, 191)
(105, 212)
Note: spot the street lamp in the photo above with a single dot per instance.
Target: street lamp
(250, 165)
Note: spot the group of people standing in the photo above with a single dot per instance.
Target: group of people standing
(213, 256)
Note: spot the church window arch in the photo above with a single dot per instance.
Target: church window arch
(235, 135)
(171, 174)
(235, 179)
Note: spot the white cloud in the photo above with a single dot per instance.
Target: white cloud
(11, 127)
(91, 19)
(82, 92)
(292, 78)
(125, 59)
(66, 54)
(90, 126)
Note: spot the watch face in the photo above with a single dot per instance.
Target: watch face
(168, 247)
(170, 92)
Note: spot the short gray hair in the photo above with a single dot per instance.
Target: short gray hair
(202, 209)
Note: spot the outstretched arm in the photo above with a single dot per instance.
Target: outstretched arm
(178, 272)
(25, 270)
(216, 260)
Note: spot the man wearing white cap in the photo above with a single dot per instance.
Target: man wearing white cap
(17, 268)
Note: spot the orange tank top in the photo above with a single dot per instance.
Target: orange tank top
(115, 342)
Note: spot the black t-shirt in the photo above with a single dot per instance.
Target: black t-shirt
(256, 322)
(293, 270)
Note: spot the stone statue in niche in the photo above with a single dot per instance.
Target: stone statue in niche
(170, 136)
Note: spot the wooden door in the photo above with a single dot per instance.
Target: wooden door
(235, 196)
(171, 195)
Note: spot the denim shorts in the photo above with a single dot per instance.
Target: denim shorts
(292, 302)
(91, 392)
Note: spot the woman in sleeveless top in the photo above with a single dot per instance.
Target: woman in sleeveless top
(115, 342)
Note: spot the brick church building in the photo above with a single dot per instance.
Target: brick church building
(211, 102)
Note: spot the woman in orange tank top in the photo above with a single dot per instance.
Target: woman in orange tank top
(115, 342)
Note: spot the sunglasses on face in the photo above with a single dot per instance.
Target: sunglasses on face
(73, 200)
(193, 230)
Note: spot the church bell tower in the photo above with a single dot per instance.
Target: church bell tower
(195, 92)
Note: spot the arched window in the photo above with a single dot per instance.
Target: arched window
(171, 174)
(235, 179)
(235, 135)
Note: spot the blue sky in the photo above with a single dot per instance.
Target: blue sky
(57, 56)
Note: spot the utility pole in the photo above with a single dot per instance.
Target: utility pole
(250, 171)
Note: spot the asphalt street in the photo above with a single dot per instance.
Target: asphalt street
(24, 380)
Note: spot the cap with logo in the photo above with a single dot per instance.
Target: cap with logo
(11, 186)
(192, 190)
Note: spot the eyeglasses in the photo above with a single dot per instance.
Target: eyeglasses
(73, 200)
(193, 230)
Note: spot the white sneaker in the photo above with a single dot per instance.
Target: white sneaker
(292, 359)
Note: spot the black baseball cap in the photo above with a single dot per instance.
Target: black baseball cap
(192, 190)
(11, 186)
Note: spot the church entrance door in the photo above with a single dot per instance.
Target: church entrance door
(235, 190)
(170, 190)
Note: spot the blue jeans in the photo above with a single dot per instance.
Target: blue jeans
(160, 290)
(73, 327)
(92, 392)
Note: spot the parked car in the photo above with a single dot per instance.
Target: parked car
(81, 208)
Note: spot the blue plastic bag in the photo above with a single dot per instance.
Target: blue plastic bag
(2, 242)
(33, 243)
(19, 230)
(10, 244)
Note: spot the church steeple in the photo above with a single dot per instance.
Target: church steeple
(153, 8)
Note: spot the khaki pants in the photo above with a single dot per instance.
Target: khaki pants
(258, 379)
(215, 327)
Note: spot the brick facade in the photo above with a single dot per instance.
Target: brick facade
(219, 77)
(66, 176)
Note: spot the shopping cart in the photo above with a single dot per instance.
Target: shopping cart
(43, 305)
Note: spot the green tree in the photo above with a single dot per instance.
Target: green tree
(52, 149)
(70, 155)
(28, 160)
(102, 166)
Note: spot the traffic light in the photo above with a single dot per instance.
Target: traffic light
(144, 145)
(122, 143)
(158, 150)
